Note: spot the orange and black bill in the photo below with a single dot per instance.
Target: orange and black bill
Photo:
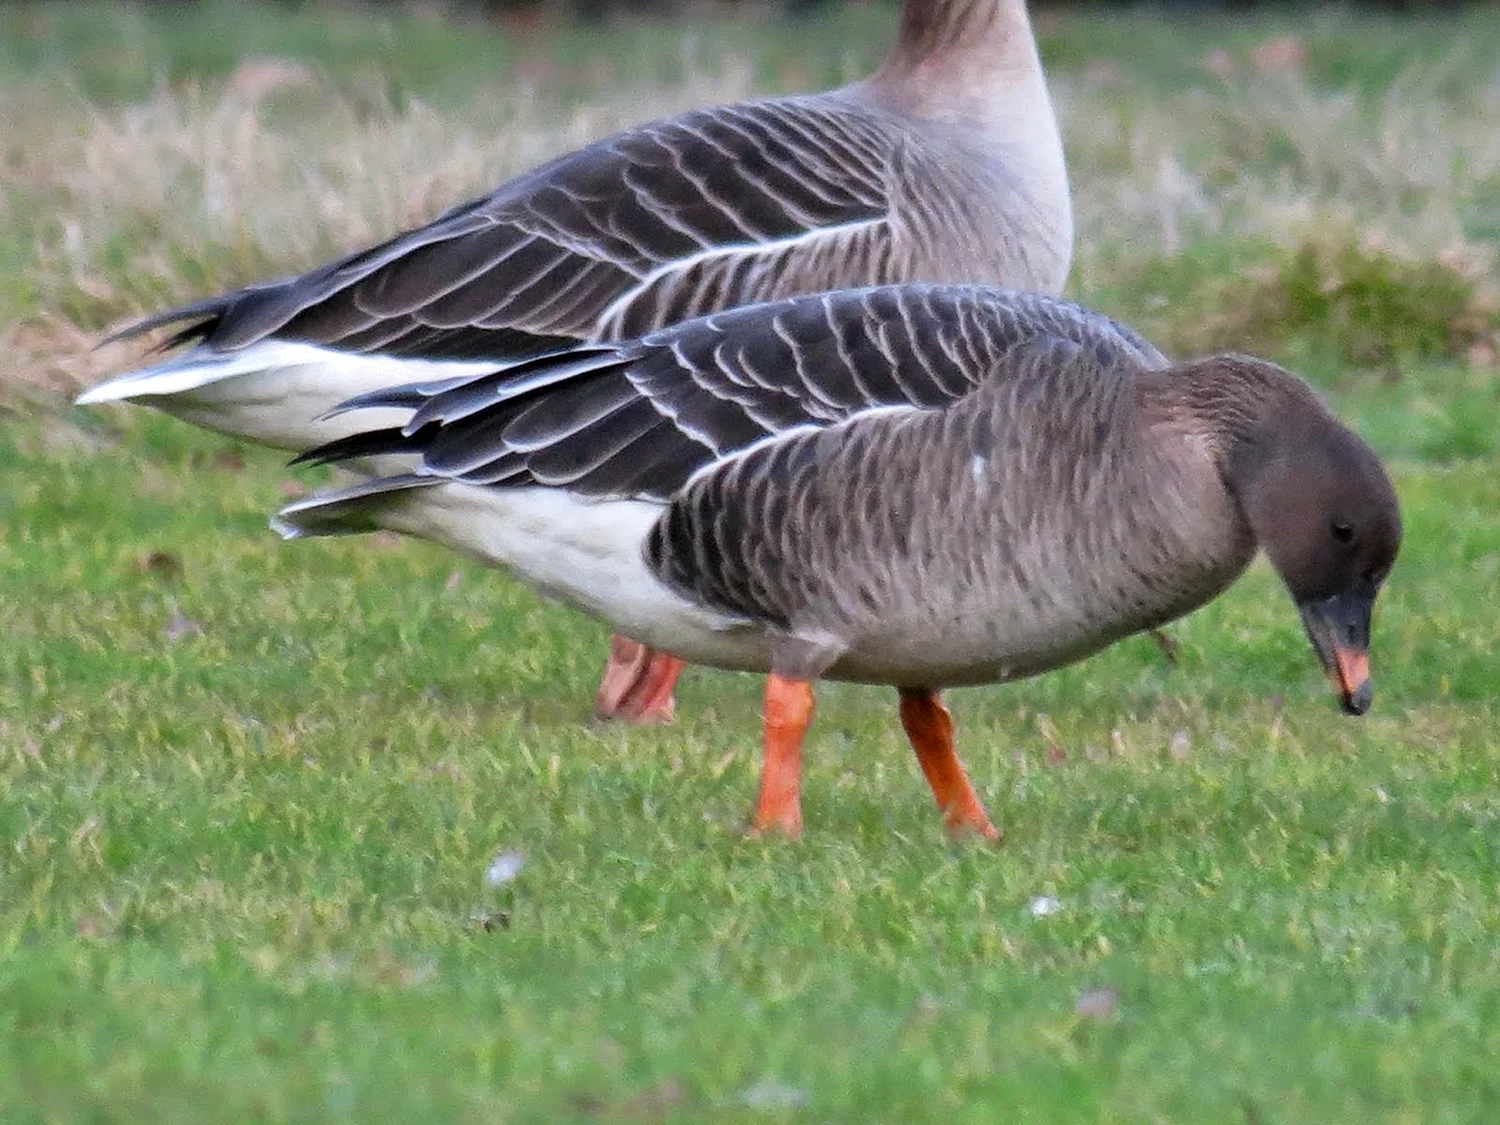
(1339, 628)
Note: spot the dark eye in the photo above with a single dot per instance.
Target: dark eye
(1342, 531)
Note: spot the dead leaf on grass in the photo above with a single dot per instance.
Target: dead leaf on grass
(181, 626)
(1220, 63)
(1180, 747)
(1167, 643)
(1284, 52)
(655, 1101)
(1052, 739)
(1097, 1003)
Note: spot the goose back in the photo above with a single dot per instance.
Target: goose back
(639, 418)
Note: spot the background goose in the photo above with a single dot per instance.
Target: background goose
(917, 486)
(943, 166)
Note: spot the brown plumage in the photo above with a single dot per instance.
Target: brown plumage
(919, 486)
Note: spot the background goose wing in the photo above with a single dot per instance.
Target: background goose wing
(663, 221)
(639, 419)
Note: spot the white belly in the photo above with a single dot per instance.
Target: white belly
(584, 552)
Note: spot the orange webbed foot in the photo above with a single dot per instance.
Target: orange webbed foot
(789, 708)
(929, 726)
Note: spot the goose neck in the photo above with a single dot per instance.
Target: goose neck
(1248, 411)
(962, 46)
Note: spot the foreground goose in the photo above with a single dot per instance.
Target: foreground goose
(943, 166)
(912, 485)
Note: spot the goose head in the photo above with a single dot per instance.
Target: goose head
(1319, 503)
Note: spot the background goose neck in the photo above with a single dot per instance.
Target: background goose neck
(954, 50)
(968, 70)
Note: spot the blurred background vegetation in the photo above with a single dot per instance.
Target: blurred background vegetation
(598, 8)
(1318, 185)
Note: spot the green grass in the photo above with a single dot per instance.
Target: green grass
(244, 875)
(249, 791)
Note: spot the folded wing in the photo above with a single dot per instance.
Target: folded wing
(639, 419)
(702, 211)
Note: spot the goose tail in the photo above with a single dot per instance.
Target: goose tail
(359, 508)
(279, 393)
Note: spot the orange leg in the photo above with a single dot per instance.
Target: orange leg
(637, 685)
(930, 728)
(789, 708)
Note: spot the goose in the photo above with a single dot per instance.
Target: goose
(919, 486)
(943, 166)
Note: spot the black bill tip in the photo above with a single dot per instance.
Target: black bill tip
(1357, 701)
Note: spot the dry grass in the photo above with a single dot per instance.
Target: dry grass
(1201, 214)
(1266, 155)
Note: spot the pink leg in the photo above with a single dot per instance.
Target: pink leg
(638, 684)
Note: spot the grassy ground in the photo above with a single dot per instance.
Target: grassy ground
(249, 792)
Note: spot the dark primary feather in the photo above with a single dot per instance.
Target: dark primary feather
(639, 418)
(536, 265)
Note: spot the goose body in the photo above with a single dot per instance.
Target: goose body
(944, 166)
(923, 486)
(835, 473)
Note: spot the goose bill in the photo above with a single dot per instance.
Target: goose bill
(1339, 628)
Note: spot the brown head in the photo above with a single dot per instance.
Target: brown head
(1318, 501)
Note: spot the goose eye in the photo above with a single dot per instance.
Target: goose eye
(1342, 531)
